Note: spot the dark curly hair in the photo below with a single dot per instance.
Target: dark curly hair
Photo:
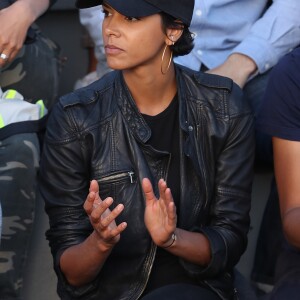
(185, 43)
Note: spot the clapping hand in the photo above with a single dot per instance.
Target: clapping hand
(102, 218)
(160, 214)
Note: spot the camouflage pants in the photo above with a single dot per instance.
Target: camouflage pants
(34, 73)
(0, 222)
(19, 162)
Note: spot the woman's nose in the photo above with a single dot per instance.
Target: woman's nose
(111, 27)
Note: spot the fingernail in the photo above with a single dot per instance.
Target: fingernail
(120, 207)
(109, 201)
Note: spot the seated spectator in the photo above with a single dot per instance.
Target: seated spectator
(242, 40)
(147, 173)
(29, 64)
(280, 117)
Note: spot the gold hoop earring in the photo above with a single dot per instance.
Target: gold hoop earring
(162, 61)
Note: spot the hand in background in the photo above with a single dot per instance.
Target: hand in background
(14, 23)
(238, 67)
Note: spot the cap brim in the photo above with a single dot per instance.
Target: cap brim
(129, 8)
(126, 8)
(88, 3)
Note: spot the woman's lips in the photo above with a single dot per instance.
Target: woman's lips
(111, 49)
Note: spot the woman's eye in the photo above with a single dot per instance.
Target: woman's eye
(106, 13)
(132, 19)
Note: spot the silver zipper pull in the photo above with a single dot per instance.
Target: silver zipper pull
(131, 174)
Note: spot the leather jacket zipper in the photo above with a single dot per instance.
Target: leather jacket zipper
(119, 177)
(152, 253)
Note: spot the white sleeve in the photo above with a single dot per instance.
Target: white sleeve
(91, 18)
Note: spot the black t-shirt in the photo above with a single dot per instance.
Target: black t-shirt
(165, 137)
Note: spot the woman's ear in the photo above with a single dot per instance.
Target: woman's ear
(173, 36)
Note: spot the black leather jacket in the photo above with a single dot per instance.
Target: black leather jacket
(98, 133)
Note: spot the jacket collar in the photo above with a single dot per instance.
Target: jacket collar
(130, 111)
(132, 115)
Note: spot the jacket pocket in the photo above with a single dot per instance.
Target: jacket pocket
(118, 185)
(118, 178)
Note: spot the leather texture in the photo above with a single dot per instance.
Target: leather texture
(98, 133)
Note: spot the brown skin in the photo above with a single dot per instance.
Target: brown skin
(140, 57)
(161, 220)
(14, 23)
(92, 253)
(238, 67)
(132, 47)
(287, 172)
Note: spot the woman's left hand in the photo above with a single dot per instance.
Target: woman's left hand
(160, 214)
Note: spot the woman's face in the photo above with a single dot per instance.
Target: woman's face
(130, 42)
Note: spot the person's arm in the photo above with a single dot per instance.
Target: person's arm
(238, 67)
(91, 254)
(287, 172)
(161, 222)
(92, 18)
(14, 23)
(271, 36)
(82, 228)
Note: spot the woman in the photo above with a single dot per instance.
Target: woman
(166, 154)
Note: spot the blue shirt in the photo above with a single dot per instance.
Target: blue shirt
(223, 27)
(280, 111)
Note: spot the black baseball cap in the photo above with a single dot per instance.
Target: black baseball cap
(179, 9)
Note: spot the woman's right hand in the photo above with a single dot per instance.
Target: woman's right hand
(93, 252)
(102, 218)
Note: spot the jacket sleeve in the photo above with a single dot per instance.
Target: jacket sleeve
(64, 184)
(233, 184)
(229, 219)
